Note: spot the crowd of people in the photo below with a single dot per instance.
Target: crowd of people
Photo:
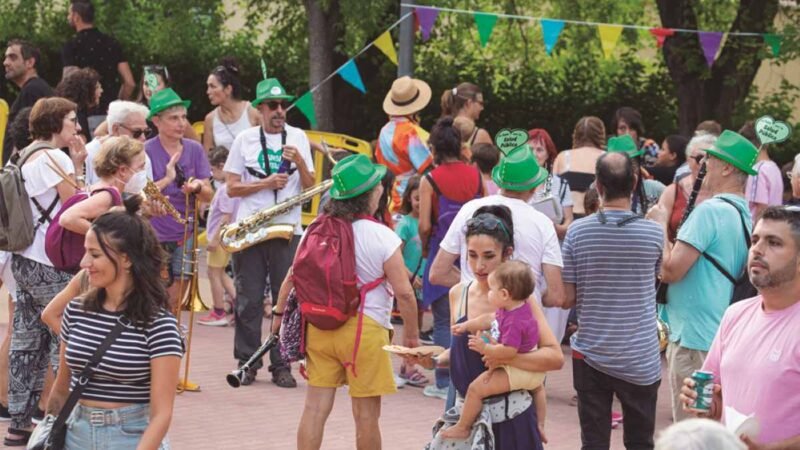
(514, 253)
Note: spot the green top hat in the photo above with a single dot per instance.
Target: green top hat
(735, 149)
(624, 144)
(165, 99)
(270, 89)
(519, 171)
(355, 175)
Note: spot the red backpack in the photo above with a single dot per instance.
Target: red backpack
(325, 280)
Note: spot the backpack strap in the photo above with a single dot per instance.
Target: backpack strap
(362, 292)
(116, 198)
(716, 263)
(433, 184)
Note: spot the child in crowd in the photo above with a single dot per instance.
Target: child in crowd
(408, 230)
(510, 288)
(486, 156)
(223, 208)
(465, 127)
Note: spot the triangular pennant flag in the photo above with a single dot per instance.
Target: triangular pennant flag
(306, 105)
(426, 18)
(386, 45)
(485, 23)
(661, 34)
(551, 29)
(609, 35)
(349, 72)
(710, 41)
(774, 41)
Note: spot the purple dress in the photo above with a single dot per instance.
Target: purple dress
(519, 433)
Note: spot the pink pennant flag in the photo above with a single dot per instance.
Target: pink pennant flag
(426, 18)
(661, 34)
(710, 41)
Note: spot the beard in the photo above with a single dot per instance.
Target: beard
(772, 279)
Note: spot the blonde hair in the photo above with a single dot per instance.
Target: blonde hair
(116, 152)
(589, 132)
(465, 127)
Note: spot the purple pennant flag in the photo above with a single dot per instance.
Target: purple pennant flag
(426, 18)
(710, 41)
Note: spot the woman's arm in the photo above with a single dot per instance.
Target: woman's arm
(60, 390)
(208, 132)
(561, 229)
(425, 210)
(254, 115)
(280, 304)
(395, 270)
(65, 190)
(78, 218)
(547, 357)
(52, 314)
(163, 379)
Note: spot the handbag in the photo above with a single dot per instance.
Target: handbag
(549, 205)
(51, 432)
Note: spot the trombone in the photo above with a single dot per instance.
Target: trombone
(190, 298)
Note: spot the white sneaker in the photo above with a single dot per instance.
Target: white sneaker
(432, 391)
(399, 382)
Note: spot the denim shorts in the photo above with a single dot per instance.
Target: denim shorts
(112, 429)
(175, 256)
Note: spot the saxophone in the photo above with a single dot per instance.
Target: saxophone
(153, 193)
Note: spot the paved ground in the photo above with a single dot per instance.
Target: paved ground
(263, 416)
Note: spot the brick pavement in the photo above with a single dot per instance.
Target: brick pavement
(263, 416)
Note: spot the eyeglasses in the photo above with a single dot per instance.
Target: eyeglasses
(180, 176)
(136, 133)
(698, 158)
(274, 104)
(486, 222)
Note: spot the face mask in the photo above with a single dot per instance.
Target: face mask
(137, 182)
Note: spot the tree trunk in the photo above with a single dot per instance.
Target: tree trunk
(322, 25)
(703, 95)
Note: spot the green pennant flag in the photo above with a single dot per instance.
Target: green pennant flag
(306, 106)
(774, 41)
(485, 23)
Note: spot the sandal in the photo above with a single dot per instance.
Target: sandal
(414, 378)
(20, 441)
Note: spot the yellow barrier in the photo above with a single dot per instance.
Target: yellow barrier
(3, 123)
(199, 128)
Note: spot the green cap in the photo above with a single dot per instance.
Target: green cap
(165, 99)
(624, 144)
(270, 89)
(355, 175)
(735, 149)
(519, 171)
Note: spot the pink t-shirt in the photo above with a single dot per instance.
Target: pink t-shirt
(766, 187)
(755, 357)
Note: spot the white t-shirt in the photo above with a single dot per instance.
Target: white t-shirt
(91, 151)
(40, 183)
(246, 152)
(375, 243)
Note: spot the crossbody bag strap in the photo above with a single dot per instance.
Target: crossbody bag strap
(88, 371)
(716, 263)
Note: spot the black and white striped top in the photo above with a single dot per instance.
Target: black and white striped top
(124, 373)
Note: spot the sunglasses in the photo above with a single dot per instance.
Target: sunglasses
(486, 222)
(180, 176)
(698, 158)
(274, 104)
(136, 133)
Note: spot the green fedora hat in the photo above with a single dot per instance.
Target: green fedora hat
(735, 149)
(270, 89)
(519, 171)
(355, 175)
(624, 144)
(165, 99)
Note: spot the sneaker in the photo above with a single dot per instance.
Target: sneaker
(283, 378)
(399, 381)
(38, 416)
(249, 376)
(214, 320)
(426, 337)
(432, 391)
(5, 416)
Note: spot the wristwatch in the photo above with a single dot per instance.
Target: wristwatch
(275, 312)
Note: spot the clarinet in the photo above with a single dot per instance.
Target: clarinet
(698, 183)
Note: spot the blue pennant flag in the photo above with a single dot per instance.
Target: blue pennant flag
(349, 72)
(550, 31)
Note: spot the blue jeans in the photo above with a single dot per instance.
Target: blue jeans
(112, 429)
(441, 335)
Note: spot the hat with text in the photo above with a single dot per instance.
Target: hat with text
(270, 89)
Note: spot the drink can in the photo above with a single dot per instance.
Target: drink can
(704, 386)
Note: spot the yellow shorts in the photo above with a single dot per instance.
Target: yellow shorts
(219, 258)
(522, 379)
(326, 351)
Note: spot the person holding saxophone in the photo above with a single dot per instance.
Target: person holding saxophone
(267, 164)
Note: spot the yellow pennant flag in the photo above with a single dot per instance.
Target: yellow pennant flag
(609, 35)
(385, 44)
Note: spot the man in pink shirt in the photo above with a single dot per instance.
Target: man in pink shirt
(755, 356)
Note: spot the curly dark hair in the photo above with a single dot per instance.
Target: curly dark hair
(125, 232)
(445, 140)
(19, 129)
(80, 87)
(351, 208)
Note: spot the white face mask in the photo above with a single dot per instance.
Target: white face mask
(137, 183)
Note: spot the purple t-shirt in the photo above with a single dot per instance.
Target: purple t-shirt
(518, 328)
(221, 204)
(193, 163)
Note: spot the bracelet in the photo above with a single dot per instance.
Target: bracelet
(276, 313)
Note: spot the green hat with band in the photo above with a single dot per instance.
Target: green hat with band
(624, 144)
(270, 89)
(735, 149)
(355, 175)
(519, 171)
(165, 99)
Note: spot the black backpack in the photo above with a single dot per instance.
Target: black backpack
(742, 287)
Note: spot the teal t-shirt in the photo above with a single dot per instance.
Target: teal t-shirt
(696, 303)
(408, 230)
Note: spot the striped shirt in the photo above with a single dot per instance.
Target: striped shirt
(614, 270)
(124, 371)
